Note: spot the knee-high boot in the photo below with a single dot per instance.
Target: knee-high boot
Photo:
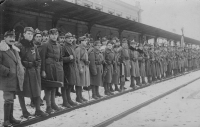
(116, 88)
(81, 95)
(25, 112)
(122, 86)
(106, 89)
(65, 99)
(69, 96)
(47, 96)
(94, 95)
(38, 111)
(7, 112)
(143, 81)
(132, 82)
(138, 81)
(78, 96)
(97, 92)
(12, 119)
(109, 86)
(53, 102)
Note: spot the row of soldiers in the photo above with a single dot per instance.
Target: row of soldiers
(49, 59)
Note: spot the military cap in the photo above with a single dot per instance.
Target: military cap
(82, 38)
(37, 31)
(96, 43)
(9, 33)
(133, 42)
(104, 39)
(124, 40)
(28, 29)
(45, 33)
(91, 40)
(53, 31)
(67, 35)
(87, 35)
(62, 34)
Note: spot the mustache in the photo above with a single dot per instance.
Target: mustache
(12, 41)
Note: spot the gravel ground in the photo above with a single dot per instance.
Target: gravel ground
(93, 114)
(181, 108)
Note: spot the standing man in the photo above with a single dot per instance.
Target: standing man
(83, 66)
(11, 75)
(71, 71)
(32, 81)
(96, 69)
(135, 70)
(52, 68)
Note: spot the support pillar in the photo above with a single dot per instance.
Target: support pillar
(90, 25)
(155, 41)
(55, 19)
(120, 33)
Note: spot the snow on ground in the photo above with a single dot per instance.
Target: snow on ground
(181, 108)
(94, 114)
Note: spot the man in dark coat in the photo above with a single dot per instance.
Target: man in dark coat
(45, 37)
(11, 75)
(52, 68)
(71, 73)
(32, 81)
(96, 69)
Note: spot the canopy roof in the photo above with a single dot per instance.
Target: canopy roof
(65, 9)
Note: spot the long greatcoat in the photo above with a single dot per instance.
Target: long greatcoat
(142, 63)
(70, 66)
(135, 70)
(147, 64)
(126, 60)
(84, 73)
(11, 69)
(31, 61)
(52, 61)
(153, 67)
(96, 67)
(109, 56)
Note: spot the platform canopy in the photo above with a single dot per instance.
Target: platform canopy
(65, 9)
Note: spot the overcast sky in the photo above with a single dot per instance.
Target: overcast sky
(172, 15)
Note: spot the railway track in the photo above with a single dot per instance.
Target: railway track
(109, 121)
(135, 108)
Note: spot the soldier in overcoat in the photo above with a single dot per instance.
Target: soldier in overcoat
(45, 36)
(125, 57)
(135, 70)
(32, 80)
(153, 60)
(96, 69)
(83, 67)
(11, 75)
(71, 77)
(108, 69)
(141, 60)
(52, 68)
(147, 63)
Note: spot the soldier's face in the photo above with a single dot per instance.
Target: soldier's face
(98, 46)
(61, 39)
(84, 42)
(53, 36)
(38, 37)
(10, 40)
(109, 46)
(104, 42)
(45, 38)
(69, 40)
(28, 35)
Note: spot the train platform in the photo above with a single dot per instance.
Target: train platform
(97, 113)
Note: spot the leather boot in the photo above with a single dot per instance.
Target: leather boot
(106, 89)
(38, 111)
(25, 113)
(116, 88)
(94, 96)
(97, 92)
(78, 96)
(53, 102)
(65, 100)
(109, 87)
(7, 112)
(138, 83)
(122, 86)
(12, 119)
(69, 96)
(73, 90)
(149, 79)
(143, 81)
(132, 82)
(81, 95)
